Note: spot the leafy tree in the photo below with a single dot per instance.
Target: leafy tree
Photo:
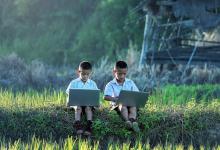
(63, 32)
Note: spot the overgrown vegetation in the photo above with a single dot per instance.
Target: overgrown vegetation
(19, 75)
(45, 116)
(16, 74)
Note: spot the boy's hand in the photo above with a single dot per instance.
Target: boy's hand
(115, 99)
(110, 98)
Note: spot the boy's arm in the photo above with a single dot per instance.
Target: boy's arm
(109, 91)
(95, 86)
(134, 87)
(69, 87)
(67, 90)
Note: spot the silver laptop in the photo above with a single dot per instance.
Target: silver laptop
(83, 97)
(132, 98)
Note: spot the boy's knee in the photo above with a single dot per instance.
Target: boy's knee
(133, 109)
(88, 109)
(78, 109)
(124, 108)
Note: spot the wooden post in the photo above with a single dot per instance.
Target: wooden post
(145, 45)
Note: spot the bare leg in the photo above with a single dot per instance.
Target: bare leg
(88, 111)
(124, 112)
(78, 111)
(132, 113)
(77, 123)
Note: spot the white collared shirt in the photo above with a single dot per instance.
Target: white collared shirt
(113, 88)
(79, 84)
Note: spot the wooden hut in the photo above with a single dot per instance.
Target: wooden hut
(181, 32)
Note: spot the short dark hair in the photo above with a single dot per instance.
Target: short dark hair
(85, 65)
(121, 65)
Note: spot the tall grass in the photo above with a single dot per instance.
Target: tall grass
(71, 143)
(32, 99)
(37, 144)
(173, 94)
(168, 95)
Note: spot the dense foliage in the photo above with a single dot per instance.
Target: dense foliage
(67, 31)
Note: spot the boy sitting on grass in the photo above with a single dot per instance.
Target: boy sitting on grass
(113, 89)
(83, 82)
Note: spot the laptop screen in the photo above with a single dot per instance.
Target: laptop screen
(132, 98)
(83, 97)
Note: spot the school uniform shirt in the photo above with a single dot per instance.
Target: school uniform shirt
(79, 84)
(113, 88)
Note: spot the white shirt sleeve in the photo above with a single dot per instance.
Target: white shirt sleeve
(108, 90)
(70, 86)
(95, 86)
(134, 87)
(68, 89)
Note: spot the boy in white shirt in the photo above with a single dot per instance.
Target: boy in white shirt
(112, 90)
(83, 82)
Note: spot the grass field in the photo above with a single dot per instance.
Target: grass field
(84, 144)
(184, 116)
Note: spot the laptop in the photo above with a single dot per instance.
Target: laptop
(132, 98)
(83, 97)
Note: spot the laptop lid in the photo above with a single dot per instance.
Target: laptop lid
(83, 97)
(132, 98)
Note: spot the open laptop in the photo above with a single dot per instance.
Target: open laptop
(132, 98)
(83, 97)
